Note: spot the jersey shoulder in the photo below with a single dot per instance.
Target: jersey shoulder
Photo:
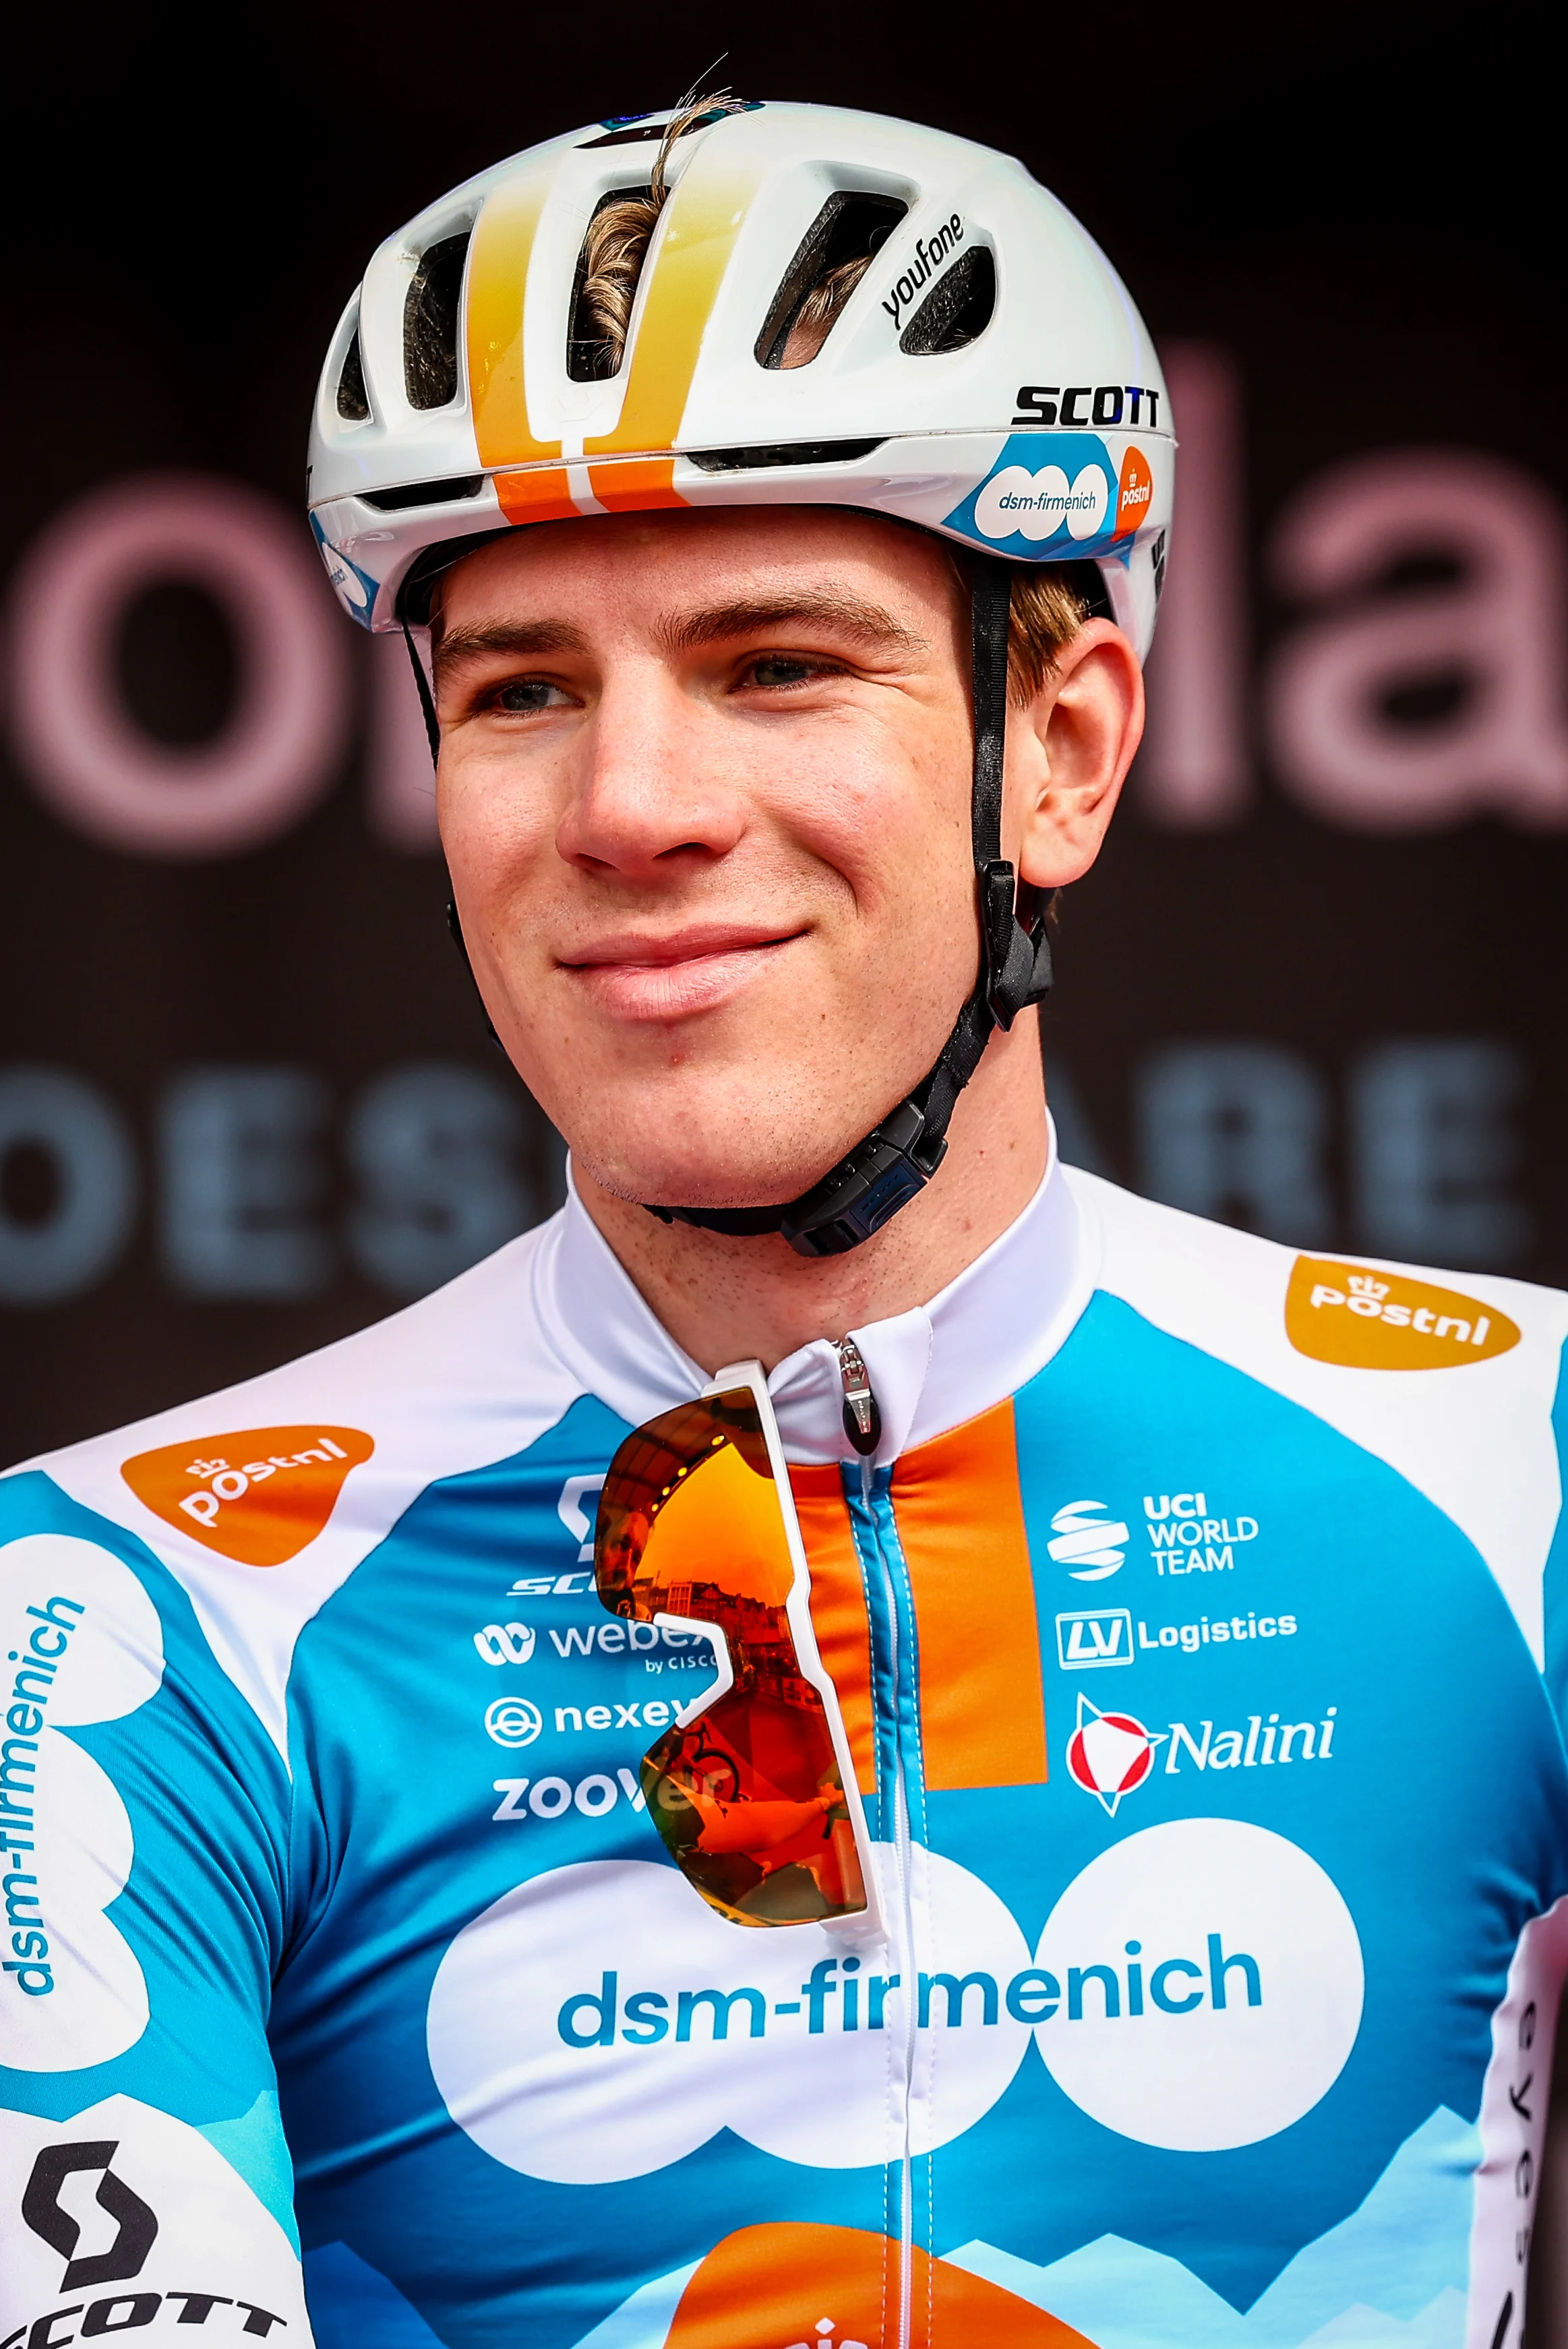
(1451, 1377)
(1241, 1295)
(304, 1470)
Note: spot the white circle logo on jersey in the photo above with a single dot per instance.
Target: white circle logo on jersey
(504, 1643)
(83, 1643)
(514, 1721)
(1207, 1985)
(601, 2022)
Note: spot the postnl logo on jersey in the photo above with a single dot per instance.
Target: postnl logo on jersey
(1368, 1320)
(258, 1495)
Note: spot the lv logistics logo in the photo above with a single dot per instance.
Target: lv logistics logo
(1091, 1638)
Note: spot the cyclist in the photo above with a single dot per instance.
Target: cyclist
(906, 1748)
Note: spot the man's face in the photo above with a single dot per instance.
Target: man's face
(704, 790)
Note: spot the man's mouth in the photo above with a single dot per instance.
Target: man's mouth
(635, 975)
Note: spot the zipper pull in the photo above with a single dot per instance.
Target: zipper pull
(862, 1420)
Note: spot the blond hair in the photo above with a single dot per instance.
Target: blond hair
(1047, 613)
(621, 231)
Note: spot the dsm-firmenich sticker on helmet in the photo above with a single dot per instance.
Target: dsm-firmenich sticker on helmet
(355, 588)
(1053, 496)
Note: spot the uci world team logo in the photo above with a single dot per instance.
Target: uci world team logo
(1088, 1540)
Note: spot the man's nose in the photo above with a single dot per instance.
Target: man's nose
(654, 790)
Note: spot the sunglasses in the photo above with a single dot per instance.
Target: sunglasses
(752, 1791)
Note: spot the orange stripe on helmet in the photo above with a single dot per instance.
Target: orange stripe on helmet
(537, 496)
(499, 260)
(637, 484)
(701, 223)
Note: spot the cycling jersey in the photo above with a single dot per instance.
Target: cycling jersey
(1198, 1641)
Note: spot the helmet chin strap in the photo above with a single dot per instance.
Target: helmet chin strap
(895, 1161)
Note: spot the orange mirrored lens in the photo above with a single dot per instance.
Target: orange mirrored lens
(747, 1798)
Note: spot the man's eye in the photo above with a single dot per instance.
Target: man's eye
(527, 694)
(774, 670)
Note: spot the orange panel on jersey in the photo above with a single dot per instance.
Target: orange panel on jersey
(766, 2286)
(838, 1608)
(961, 1521)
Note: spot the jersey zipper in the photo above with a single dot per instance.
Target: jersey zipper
(900, 1778)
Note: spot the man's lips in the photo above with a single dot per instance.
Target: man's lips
(633, 976)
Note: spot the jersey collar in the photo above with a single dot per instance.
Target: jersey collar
(978, 1339)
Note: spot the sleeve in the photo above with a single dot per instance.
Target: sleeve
(1555, 1607)
(144, 1818)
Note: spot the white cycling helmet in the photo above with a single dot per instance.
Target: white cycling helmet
(989, 378)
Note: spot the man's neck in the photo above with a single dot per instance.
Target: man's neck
(725, 1300)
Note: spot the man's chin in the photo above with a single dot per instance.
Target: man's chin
(671, 1181)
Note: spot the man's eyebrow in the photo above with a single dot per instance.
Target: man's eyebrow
(523, 637)
(847, 616)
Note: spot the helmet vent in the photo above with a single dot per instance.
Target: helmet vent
(431, 311)
(352, 403)
(591, 357)
(792, 453)
(424, 494)
(957, 308)
(828, 263)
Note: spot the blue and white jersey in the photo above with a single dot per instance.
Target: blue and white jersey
(1198, 1630)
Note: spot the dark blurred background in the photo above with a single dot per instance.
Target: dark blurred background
(245, 1100)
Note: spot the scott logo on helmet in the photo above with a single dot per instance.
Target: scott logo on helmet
(1047, 403)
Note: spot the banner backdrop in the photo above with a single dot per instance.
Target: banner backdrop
(246, 1101)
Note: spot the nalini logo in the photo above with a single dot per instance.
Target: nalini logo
(1087, 1540)
(1366, 1320)
(1109, 1755)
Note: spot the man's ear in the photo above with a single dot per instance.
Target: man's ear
(1067, 754)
